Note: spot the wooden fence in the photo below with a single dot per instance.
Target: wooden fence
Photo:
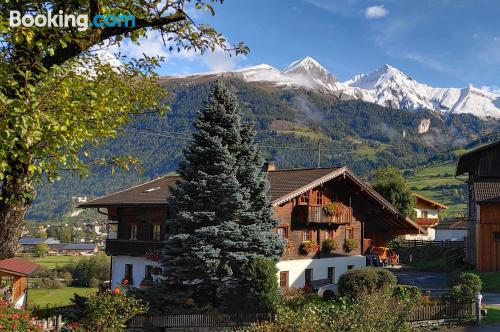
(442, 311)
(50, 324)
(197, 320)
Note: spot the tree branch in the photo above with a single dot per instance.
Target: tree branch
(76, 47)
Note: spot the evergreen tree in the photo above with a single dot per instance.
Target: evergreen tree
(222, 213)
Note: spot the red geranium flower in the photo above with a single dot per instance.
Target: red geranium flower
(117, 291)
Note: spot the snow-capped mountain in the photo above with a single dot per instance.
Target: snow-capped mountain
(387, 86)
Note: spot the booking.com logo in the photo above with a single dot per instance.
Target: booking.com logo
(62, 20)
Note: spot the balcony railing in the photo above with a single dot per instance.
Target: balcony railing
(316, 214)
(131, 247)
(427, 221)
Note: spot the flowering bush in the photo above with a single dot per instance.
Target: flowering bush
(330, 244)
(307, 247)
(350, 245)
(16, 320)
(107, 311)
(335, 209)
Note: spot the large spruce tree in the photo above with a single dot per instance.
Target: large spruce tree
(222, 214)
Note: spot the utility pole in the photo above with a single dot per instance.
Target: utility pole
(319, 154)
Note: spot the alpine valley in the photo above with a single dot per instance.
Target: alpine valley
(304, 117)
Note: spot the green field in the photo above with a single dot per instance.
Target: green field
(435, 182)
(53, 261)
(491, 281)
(54, 297)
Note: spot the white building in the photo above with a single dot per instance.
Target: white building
(427, 216)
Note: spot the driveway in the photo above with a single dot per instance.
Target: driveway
(423, 280)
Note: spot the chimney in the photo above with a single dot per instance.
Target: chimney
(269, 166)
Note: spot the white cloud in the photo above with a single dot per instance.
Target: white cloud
(374, 12)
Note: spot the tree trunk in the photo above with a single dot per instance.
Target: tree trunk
(16, 199)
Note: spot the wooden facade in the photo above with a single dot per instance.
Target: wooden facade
(14, 275)
(483, 168)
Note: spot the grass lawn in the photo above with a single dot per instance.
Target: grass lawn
(54, 297)
(493, 315)
(491, 281)
(53, 261)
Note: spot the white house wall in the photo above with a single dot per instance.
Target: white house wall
(138, 269)
(431, 213)
(296, 268)
(431, 235)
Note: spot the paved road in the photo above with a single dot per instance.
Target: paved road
(423, 280)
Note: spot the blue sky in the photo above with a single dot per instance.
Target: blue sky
(442, 43)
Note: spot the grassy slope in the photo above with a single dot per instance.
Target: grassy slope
(53, 261)
(425, 181)
(54, 297)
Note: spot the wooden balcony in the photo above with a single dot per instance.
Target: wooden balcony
(316, 214)
(427, 221)
(130, 247)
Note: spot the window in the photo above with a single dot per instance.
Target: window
(319, 197)
(148, 272)
(307, 235)
(284, 279)
(283, 231)
(496, 236)
(156, 232)
(350, 267)
(425, 214)
(112, 231)
(129, 273)
(132, 231)
(329, 234)
(304, 199)
(349, 233)
(331, 274)
(308, 277)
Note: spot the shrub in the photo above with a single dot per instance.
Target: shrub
(85, 269)
(107, 311)
(466, 286)
(16, 320)
(48, 283)
(408, 292)
(356, 282)
(94, 282)
(330, 244)
(307, 247)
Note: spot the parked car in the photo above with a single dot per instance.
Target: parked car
(329, 292)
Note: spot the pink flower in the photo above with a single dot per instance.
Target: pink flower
(117, 291)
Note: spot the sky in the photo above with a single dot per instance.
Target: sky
(448, 43)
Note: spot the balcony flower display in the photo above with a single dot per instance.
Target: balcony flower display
(330, 244)
(335, 209)
(350, 245)
(307, 247)
(153, 255)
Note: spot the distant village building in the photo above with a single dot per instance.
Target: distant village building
(27, 244)
(75, 249)
(483, 218)
(300, 199)
(14, 274)
(427, 216)
(452, 230)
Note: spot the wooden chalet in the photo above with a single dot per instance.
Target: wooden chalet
(427, 216)
(14, 274)
(483, 168)
(299, 197)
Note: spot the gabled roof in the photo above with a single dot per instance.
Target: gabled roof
(470, 159)
(438, 205)
(18, 266)
(487, 191)
(458, 223)
(73, 246)
(285, 185)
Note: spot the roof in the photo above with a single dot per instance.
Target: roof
(458, 224)
(438, 205)
(73, 246)
(285, 185)
(36, 240)
(468, 160)
(18, 266)
(487, 191)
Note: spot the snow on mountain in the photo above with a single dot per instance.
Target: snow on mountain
(387, 86)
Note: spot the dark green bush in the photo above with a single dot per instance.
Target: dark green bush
(355, 282)
(408, 292)
(465, 287)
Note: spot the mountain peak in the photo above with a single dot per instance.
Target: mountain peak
(306, 63)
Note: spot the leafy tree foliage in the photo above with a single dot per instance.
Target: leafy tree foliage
(222, 213)
(41, 249)
(57, 101)
(391, 184)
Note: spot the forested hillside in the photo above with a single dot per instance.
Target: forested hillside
(290, 124)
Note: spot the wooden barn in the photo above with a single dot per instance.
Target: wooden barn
(483, 168)
(14, 274)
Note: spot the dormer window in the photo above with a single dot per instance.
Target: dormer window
(319, 197)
